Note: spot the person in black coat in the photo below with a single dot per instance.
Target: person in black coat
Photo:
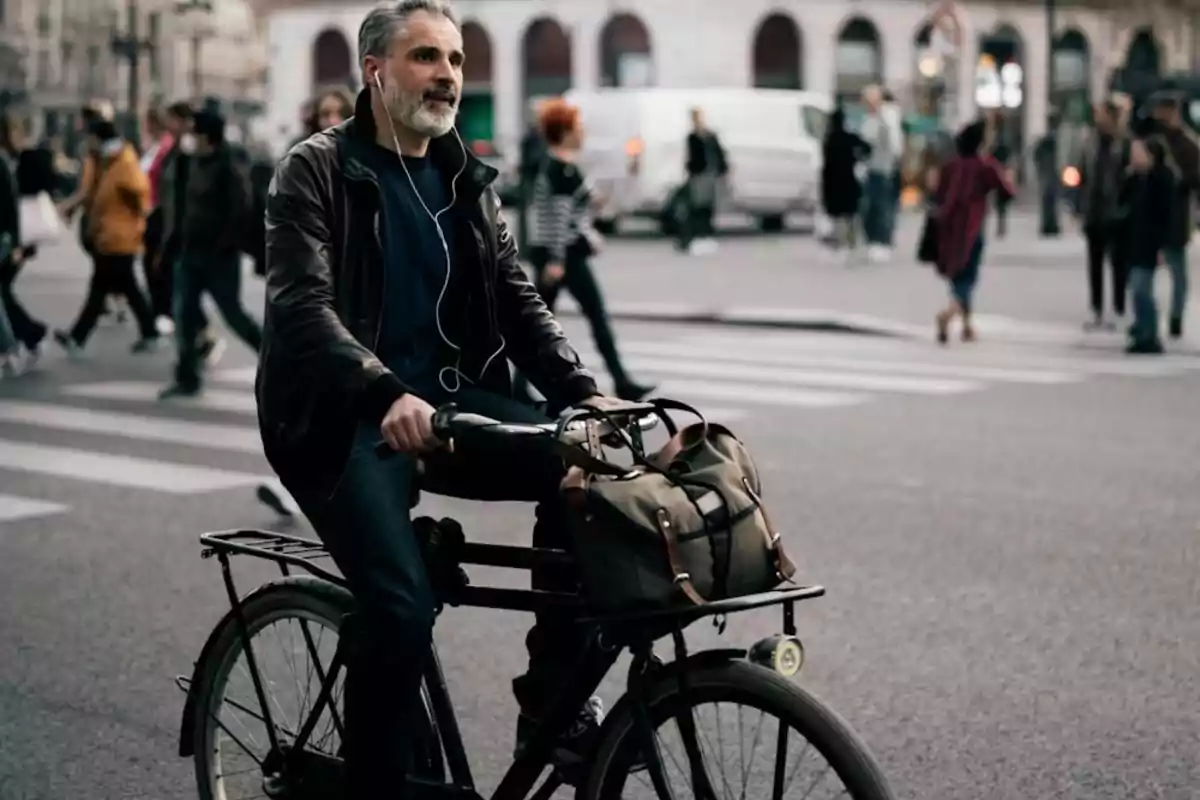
(841, 192)
(1147, 196)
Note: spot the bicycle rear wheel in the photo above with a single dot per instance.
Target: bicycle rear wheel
(233, 756)
(753, 694)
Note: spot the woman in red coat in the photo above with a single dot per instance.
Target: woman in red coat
(964, 187)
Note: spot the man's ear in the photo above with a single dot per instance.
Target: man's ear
(372, 76)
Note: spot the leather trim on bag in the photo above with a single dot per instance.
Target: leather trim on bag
(682, 579)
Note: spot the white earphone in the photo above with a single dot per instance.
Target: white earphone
(457, 374)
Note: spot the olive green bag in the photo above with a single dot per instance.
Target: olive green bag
(683, 525)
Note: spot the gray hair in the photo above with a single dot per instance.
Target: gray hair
(381, 25)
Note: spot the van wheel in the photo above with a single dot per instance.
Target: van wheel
(772, 223)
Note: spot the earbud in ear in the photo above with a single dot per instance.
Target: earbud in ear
(378, 84)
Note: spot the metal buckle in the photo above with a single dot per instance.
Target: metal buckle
(681, 577)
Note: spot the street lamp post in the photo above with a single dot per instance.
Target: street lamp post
(1049, 157)
(130, 47)
(197, 38)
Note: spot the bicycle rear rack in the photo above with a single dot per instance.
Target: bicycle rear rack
(299, 551)
(282, 548)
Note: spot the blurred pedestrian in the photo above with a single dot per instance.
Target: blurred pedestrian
(965, 185)
(841, 192)
(707, 167)
(119, 198)
(562, 239)
(1184, 147)
(1102, 167)
(210, 262)
(1148, 192)
(29, 331)
(880, 130)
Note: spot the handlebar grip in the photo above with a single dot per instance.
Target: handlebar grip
(443, 420)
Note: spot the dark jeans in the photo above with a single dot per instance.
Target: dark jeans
(367, 526)
(580, 281)
(1101, 244)
(962, 285)
(878, 209)
(112, 275)
(1145, 310)
(27, 330)
(220, 275)
(159, 282)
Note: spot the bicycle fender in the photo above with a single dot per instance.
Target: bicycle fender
(705, 658)
(307, 583)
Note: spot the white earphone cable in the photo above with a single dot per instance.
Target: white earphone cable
(457, 375)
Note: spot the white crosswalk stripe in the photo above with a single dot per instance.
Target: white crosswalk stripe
(729, 375)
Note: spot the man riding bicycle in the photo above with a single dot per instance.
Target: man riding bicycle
(393, 287)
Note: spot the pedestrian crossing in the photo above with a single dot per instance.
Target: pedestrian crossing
(116, 434)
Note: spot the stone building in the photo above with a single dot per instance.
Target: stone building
(55, 54)
(517, 49)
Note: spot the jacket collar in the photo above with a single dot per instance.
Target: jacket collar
(448, 153)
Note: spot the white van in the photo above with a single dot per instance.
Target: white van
(634, 142)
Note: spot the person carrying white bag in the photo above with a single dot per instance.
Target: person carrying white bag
(28, 331)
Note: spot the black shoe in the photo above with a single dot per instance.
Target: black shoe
(174, 389)
(1143, 348)
(67, 342)
(1175, 328)
(574, 748)
(146, 344)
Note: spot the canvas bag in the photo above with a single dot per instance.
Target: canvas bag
(40, 221)
(684, 526)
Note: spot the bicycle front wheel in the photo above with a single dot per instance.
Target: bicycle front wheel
(788, 729)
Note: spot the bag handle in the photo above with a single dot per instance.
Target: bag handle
(587, 460)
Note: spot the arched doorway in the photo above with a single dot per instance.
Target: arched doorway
(547, 60)
(332, 62)
(1142, 70)
(625, 53)
(776, 54)
(859, 64)
(1000, 85)
(1071, 93)
(476, 113)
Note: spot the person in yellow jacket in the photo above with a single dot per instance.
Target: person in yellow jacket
(116, 217)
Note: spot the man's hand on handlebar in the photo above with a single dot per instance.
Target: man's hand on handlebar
(407, 427)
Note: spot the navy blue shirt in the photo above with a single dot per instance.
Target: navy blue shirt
(415, 264)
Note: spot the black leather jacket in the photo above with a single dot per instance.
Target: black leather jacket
(318, 375)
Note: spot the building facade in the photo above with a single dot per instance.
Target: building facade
(981, 56)
(57, 54)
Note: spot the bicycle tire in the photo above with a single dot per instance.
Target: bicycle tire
(273, 604)
(750, 685)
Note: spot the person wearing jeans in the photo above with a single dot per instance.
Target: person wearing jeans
(879, 131)
(218, 198)
(1184, 147)
(1148, 192)
(1177, 266)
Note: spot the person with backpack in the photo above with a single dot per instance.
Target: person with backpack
(1103, 164)
(118, 200)
(216, 205)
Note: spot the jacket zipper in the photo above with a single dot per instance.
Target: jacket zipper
(383, 288)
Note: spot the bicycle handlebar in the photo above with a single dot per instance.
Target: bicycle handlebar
(450, 423)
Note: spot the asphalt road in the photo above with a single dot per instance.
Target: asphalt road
(1008, 537)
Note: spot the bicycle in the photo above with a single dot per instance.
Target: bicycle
(626, 744)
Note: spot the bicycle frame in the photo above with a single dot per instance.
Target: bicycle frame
(608, 636)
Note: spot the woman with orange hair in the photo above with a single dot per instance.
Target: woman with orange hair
(562, 239)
